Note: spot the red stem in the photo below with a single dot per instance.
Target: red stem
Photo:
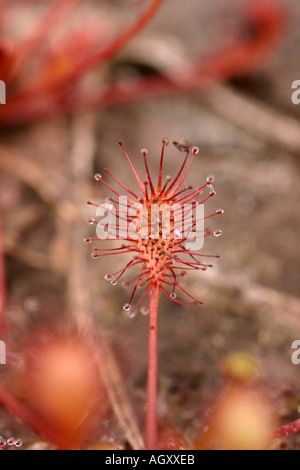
(16, 408)
(57, 85)
(268, 22)
(151, 431)
(27, 48)
(286, 430)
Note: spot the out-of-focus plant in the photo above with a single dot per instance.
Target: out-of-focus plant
(52, 384)
(54, 91)
(265, 24)
(56, 388)
(242, 417)
(53, 87)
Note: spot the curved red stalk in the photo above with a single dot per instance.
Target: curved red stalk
(165, 142)
(27, 97)
(99, 178)
(53, 16)
(14, 407)
(265, 17)
(286, 430)
(120, 184)
(268, 22)
(141, 184)
(179, 173)
(144, 152)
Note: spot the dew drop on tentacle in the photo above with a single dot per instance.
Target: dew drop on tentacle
(10, 441)
(2, 442)
(114, 282)
(195, 150)
(18, 443)
(144, 311)
(173, 295)
(218, 233)
(129, 310)
(210, 179)
(108, 277)
(92, 221)
(131, 313)
(220, 211)
(87, 240)
(98, 177)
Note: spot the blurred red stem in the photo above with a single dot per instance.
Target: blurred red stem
(14, 407)
(267, 21)
(244, 56)
(286, 430)
(151, 431)
(86, 64)
(53, 16)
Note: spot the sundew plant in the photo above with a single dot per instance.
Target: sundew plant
(157, 229)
